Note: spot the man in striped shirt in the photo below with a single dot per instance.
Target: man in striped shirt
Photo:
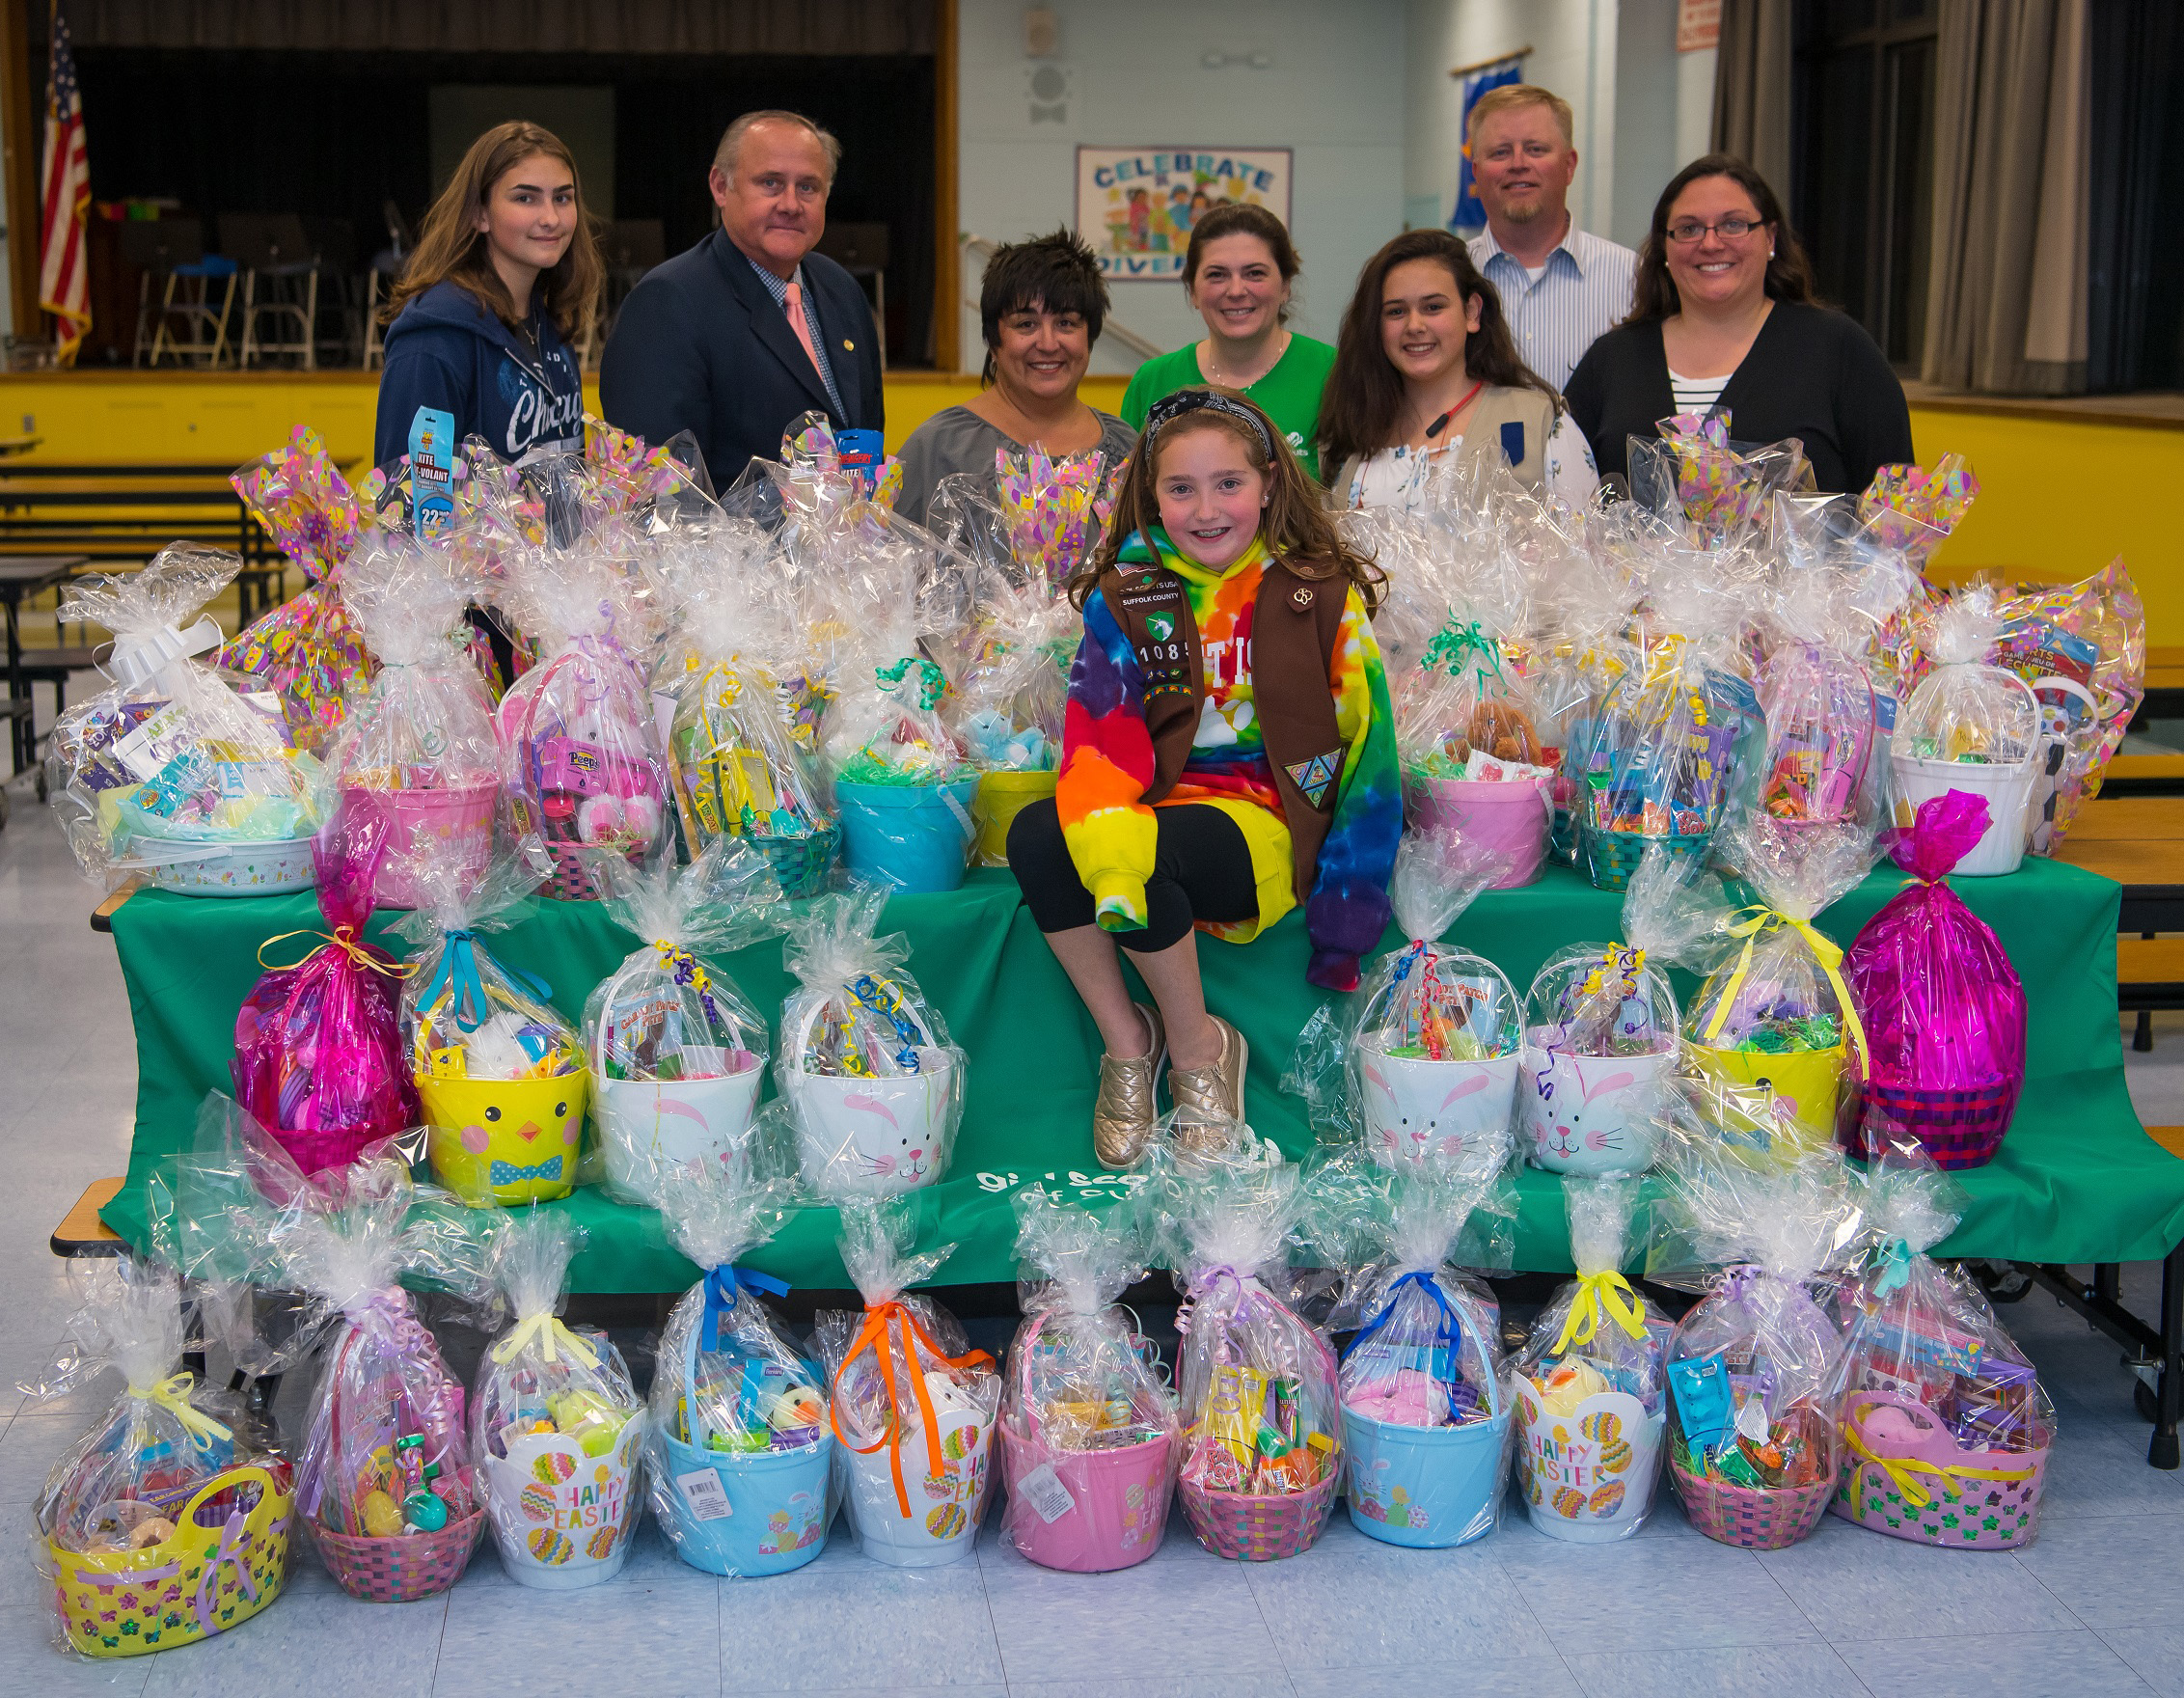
(1560, 288)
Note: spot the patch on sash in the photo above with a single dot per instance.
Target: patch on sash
(1316, 776)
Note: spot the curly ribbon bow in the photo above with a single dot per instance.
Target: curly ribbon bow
(1749, 924)
(681, 965)
(888, 1328)
(931, 682)
(1454, 642)
(341, 938)
(1902, 1470)
(172, 1394)
(1619, 966)
(1606, 1293)
(546, 1332)
(724, 1286)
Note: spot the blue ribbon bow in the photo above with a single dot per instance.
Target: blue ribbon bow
(1896, 1268)
(509, 1173)
(723, 1286)
(458, 972)
(1449, 1334)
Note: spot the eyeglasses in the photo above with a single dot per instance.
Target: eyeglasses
(1691, 230)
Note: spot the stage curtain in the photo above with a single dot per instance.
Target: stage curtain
(1752, 88)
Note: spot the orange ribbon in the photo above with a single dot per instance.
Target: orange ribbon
(341, 938)
(878, 1335)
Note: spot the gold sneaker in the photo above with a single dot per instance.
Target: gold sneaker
(1123, 1116)
(1209, 1100)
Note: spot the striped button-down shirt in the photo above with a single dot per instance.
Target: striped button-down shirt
(1583, 292)
(779, 289)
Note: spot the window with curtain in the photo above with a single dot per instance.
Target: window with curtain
(1862, 159)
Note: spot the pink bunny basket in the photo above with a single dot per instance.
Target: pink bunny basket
(1909, 1478)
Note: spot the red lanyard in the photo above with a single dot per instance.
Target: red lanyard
(1441, 423)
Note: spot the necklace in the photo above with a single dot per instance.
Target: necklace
(1214, 373)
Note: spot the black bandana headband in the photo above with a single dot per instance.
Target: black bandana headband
(1169, 408)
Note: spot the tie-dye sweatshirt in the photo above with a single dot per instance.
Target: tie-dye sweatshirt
(1108, 766)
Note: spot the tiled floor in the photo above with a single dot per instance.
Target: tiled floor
(2096, 1607)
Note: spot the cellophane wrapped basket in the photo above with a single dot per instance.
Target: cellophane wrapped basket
(1601, 1034)
(1425, 1413)
(741, 1452)
(1590, 1395)
(166, 1522)
(1262, 1416)
(1421, 1064)
(1946, 1428)
(911, 1406)
(557, 1428)
(169, 772)
(1753, 1367)
(1943, 1009)
(873, 1084)
(676, 1049)
(1088, 1427)
(500, 1071)
(1972, 727)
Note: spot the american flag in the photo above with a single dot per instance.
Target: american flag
(64, 283)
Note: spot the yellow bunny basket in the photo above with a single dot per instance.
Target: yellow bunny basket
(226, 1562)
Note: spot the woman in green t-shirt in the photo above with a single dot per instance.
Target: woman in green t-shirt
(1237, 273)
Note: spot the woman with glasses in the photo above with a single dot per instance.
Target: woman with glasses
(1722, 320)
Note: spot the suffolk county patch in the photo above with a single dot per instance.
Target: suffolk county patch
(1317, 776)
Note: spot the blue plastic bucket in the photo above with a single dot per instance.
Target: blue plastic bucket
(1425, 1486)
(917, 836)
(778, 1503)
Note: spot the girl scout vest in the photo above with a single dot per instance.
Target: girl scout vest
(1293, 630)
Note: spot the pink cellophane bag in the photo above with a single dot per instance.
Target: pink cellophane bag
(319, 1044)
(1943, 1007)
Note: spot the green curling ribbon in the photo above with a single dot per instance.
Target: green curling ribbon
(931, 682)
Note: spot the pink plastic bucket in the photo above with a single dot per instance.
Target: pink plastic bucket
(1120, 1505)
(462, 813)
(1509, 817)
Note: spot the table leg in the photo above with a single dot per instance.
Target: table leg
(2162, 1451)
(23, 732)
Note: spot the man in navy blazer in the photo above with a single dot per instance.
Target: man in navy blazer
(709, 342)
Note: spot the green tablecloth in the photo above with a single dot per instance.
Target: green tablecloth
(2077, 1180)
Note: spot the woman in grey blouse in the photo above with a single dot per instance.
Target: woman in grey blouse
(1041, 307)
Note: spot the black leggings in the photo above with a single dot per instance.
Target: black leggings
(1201, 870)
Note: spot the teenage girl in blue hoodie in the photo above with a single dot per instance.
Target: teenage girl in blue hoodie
(509, 227)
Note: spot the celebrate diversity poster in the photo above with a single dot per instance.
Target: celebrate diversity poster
(1136, 206)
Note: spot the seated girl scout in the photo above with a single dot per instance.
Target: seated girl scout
(1228, 753)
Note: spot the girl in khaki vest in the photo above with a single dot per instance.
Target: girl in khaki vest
(1426, 372)
(1228, 753)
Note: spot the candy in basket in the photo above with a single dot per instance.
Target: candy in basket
(318, 1058)
(308, 650)
(1601, 1034)
(1773, 1009)
(1583, 650)
(1424, 1419)
(1943, 1009)
(1087, 1423)
(580, 753)
(1823, 719)
(1262, 1418)
(874, 1086)
(1422, 1064)
(556, 1426)
(1974, 728)
(1590, 1394)
(1946, 1428)
(1753, 1366)
(677, 1051)
(741, 1452)
(415, 751)
(500, 1072)
(1474, 759)
(912, 1406)
(168, 772)
(164, 1524)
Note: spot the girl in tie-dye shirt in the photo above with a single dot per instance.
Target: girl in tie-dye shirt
(1212, 797)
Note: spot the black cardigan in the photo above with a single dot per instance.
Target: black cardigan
(1811, 373)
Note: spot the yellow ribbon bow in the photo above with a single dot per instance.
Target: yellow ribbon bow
(1749, 924)
(344, 938)
(1606, 1292)
(172, 1394)
(672, 956)
(1901, 1470)
(544, 1330)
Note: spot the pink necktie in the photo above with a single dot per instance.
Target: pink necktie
(793, 304)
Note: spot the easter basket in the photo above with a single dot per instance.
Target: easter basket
(1909, 1478)
(227, 1560)
(801, 864)
(1248, 1527)
(1610, 856)
(403, 1569)
(1752, 1518)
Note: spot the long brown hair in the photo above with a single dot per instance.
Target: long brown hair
(1294, 526)
(1790, 274)
(452, 248)
(1364, 393)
